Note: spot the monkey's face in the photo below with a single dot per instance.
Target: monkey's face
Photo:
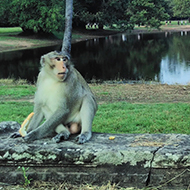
(59, 66)
(55, 65)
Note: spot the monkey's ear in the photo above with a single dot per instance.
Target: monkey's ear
(42, 61)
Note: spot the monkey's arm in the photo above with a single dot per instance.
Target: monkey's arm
(35, 121)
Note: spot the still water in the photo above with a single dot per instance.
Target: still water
(160, 57)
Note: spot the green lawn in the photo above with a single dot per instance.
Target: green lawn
(121, 117)
(118, 117)
(14, 92)
(13, 30)
(4, 31)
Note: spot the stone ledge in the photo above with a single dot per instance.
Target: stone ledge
(137, 160)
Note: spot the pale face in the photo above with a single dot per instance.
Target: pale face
(59, 65)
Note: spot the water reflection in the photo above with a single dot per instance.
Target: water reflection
(121, 57)
(22, 64)
(162, 57)
(171, 73)
(136, 57)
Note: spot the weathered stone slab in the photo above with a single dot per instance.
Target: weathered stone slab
(130, 159)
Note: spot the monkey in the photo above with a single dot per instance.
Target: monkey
(64, 99)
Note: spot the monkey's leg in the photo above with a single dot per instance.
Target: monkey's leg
(63, 133)
(87, 113)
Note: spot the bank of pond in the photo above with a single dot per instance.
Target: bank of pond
(158, 57)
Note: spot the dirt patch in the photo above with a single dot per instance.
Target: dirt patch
(132, 93)
(18, 43)
(142, 93)
(176, 28)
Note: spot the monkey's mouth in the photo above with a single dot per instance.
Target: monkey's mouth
(63, 73)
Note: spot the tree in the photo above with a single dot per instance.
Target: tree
(181, 8)
(169, 7)
(4, 13)
(66, 47)
(102, 12)
(124, 13)
(114, 12)
(147, 12)
(37, 16)
(48, 15)
(86, 11)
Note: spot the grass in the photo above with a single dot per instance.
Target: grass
(116, 117)
(113, 116)
(10, 89)
(12, 30)
(4, 31)
(174, 23)
(121, 117)
(15, 111)
(17, 91)
(59, 35)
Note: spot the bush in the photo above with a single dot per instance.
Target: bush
(38, 16)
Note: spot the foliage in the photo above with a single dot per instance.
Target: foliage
(84, 11)
(147, 12)
(48, 16)
(5, 13)
(115, 13)
(181, 8)
(27, 181)
(105, 12)
(37, 16)
(124, 13)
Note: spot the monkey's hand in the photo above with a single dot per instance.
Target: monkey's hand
(15, 135)
(61, 136)
(84, 137)
(31, 136)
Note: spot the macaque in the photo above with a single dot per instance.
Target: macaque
(64, 99)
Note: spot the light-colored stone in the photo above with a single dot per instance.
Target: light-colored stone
(128, 159)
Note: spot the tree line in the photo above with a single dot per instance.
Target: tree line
(48, 15)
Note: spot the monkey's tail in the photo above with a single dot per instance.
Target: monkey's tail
(25, 124)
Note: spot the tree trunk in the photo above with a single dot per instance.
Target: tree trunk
(66, 47)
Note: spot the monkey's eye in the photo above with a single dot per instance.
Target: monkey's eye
(64, 59)
(58, 58)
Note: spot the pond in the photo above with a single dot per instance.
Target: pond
(160, 57)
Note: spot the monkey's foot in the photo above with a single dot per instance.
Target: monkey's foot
(84, 137)
(61, 136)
